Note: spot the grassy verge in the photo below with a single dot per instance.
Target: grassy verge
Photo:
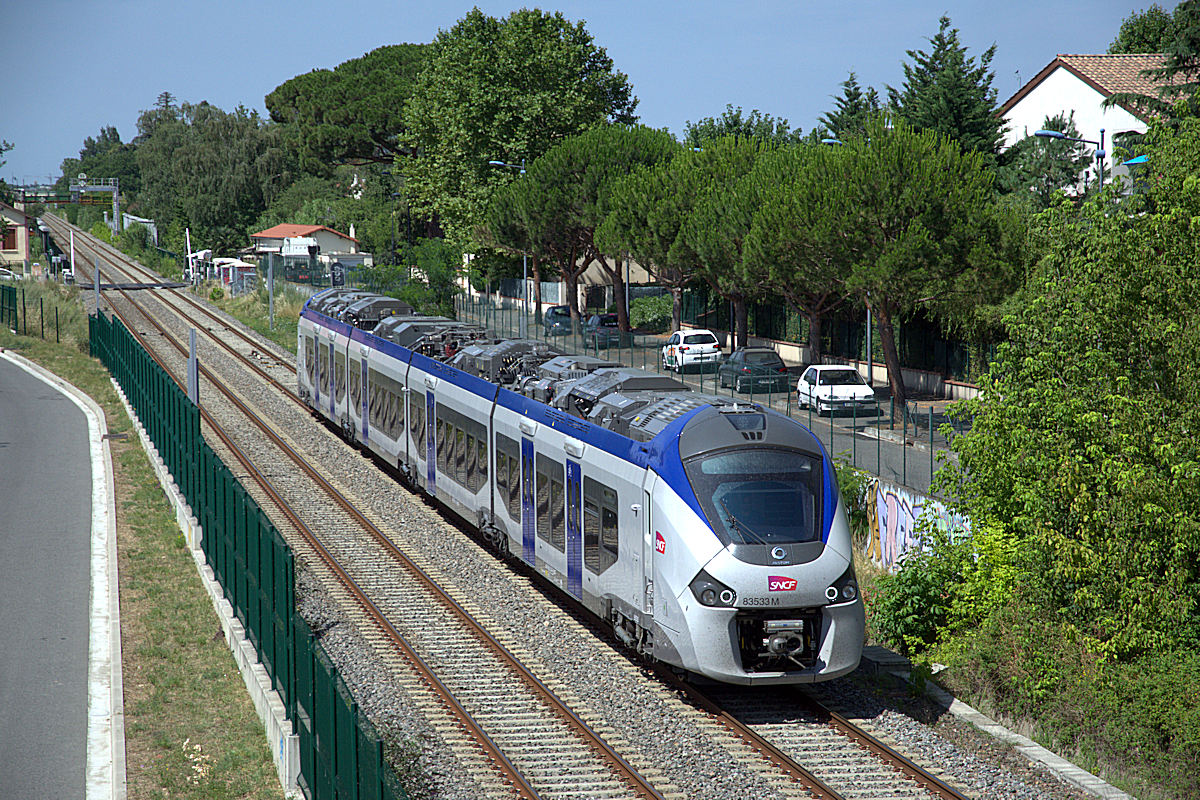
(190, 727)
(253, 310)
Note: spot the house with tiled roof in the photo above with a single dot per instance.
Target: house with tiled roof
(329, 240)
(1081, 83)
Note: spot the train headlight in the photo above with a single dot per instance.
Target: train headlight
(711, 592)
(844, 589)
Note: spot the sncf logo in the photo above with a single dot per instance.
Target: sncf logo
(660, 544)
(778, 583)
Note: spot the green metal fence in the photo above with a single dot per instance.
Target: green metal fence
(8, 307)
(341, 755)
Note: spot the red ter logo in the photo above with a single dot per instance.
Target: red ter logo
(660, 544)
(778, 583)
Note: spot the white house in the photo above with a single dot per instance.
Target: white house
(329, 240)
(1081, 83)
(14, 250)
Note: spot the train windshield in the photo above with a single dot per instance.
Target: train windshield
(759, 496)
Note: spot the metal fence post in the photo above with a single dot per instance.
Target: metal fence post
(931, 447)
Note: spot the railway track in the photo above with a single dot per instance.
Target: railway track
(507, 711)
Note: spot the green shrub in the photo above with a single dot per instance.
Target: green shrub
(651, 313)
(853, 484)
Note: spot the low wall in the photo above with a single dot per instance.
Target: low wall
(893, 513)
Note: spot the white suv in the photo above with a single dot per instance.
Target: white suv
(690, 348)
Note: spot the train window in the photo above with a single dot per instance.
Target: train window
(481, 462)
(439, 429)
(514, 487)
(310, 362)
(355, 381)
(460, 456)
(415, 415)
(501, 474)
(340, 377)
(557, 528)
(600, 539)
(591, 535)
(543, 503)
(322, 366)
(470, 464)
(397, 421)
(759, 496)
(549, 499)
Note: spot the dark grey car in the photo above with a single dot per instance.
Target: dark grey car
(602, 332)
(754, 369)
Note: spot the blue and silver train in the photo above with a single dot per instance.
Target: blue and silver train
(707, 531)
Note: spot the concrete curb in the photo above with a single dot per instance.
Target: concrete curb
(104, 771)
(885, 661)
(284, 743)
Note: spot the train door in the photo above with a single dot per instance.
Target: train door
(363, 351)
(430, 439)
(649, 550)
(574, 529)
(332, 387)
(528, 508)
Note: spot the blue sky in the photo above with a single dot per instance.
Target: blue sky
(74, 66)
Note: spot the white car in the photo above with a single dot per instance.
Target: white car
(9, 275)
(833, 387)
(695, 347)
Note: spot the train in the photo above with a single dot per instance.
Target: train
(708, 531)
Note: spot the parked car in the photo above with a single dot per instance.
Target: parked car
(602, 332)
(754, 369)
(833, 387)
(557, 320)
(697, 347)
(9, 275)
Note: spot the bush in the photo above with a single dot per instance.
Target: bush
(651, 313)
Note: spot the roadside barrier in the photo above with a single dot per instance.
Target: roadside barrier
(341, 754)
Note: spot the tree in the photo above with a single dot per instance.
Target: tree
(853, 108)
(946, 92)
(1038, 169)
(5, 192)
(716, 227)
(1083, 441)
(212, 170)
(731, 123)
(104, 157)
(501, 89)
(565, 197)
(352, 113)
(1178, 79)
(796, 243)
(1149, 31)
(646, 210)
(921, 220)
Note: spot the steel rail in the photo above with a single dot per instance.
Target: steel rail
(113, 254)
(98, 247)
(640, 786)
(811, 783)
(897, 760)
(443, 693)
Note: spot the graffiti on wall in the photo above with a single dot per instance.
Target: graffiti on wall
(893, 512)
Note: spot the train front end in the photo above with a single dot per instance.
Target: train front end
(761, 588)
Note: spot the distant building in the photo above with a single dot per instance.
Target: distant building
(1081, 83)
(330, 241)
(14, 249)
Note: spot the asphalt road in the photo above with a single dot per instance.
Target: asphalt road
(45, 526)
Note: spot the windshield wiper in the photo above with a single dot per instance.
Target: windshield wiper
(739, 525)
